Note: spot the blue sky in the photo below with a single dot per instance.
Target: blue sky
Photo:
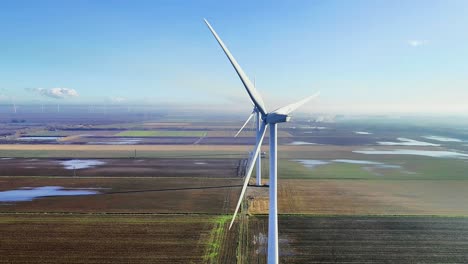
(363, 56)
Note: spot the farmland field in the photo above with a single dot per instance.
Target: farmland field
(161, 133)
(41, 238)
(375, 168)
(365, 197)
(166, 195)
(121, 151)
(128, 195)
(140, 167)
(362, 239)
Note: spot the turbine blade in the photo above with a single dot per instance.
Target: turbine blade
(285, 110)
(249, 171)
(253, 93)
(246, 122)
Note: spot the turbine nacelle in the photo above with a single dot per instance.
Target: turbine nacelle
(273, 118)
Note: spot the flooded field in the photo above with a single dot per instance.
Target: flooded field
(120, 195)
(407, 142)
(29, 193)
(443, 139)
(33, 138)
(80, 164)
(428, 153)
(300, 143)
(314, 163)
(179, 167)
(117, 141)
(362, 133)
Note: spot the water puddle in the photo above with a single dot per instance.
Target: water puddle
(300, 143)
(39, 138)
(80, 164)
(428, 153)
(260, 243)
(312, 163)
(362, 133)
(374, 164)
(407, 142)
(29, 194)
(368, 162)
(313, 127)
(125, 141)
(443, 139)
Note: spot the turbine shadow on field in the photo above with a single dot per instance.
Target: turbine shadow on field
(175, 189)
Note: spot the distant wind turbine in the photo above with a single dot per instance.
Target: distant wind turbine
(267, 119)
(13, 104)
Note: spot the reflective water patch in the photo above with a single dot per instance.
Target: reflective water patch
(374, 164)
(407, 142)
(80, 164)
(443, 139)
(123, 141)
(362, 133)
(38, 138)
(312, 163)
(29, 194)
(428, 153)
(300, 143)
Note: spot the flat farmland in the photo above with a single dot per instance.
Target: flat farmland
(362, 239)
(333, 140)
(114, 239)
(365, 197)
(399, 167)
(110, 151)
(128, 195)
(162, 167)
(90, 140)
(247, 132)
(161, 133)
(121, 151)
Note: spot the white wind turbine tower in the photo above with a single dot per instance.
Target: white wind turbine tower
(267, 119)
(13, 104)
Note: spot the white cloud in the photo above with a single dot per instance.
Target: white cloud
(57, 93)
(417, 42)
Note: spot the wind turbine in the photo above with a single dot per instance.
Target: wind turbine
(267, 119)
(258, 122)
(13, 104)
